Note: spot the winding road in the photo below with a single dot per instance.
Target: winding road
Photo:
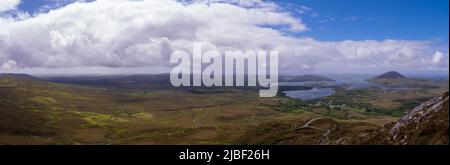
(307, 125)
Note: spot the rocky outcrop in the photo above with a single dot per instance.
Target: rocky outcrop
(426, 124)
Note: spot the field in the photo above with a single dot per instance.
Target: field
(143, 110)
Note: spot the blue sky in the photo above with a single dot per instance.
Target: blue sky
(377, 19)
(335, 20)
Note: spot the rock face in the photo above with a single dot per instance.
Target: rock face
(390, 75)
(425, 124)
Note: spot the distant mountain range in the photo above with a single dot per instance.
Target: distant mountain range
(14, 75)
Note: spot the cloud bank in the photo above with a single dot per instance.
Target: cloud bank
(6, 5)
(133, 34)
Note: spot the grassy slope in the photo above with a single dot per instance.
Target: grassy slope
(40, 112)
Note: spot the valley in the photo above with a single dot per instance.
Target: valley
(145, 109)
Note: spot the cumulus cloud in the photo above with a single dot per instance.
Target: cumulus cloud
(129, 34)
(6, 5)
(440, 60)
(11, 64)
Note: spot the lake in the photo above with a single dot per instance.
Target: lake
(324, 88)
(309, 94)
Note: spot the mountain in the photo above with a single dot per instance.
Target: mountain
(426, 124)
(16, 76)
(16, 91)
(390, 75)
(30, 106)
(304, 78)
(394, 79)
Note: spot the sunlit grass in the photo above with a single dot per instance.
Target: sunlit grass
(93, 119)
(143, 115)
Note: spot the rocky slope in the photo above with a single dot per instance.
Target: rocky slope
(426, 124)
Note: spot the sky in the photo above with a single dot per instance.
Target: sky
(378, 19)
(312, 36)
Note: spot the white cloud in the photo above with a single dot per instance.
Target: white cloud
(6, 5)
(437, 57)
(128, 34)
(11, 64)
(440, 60)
